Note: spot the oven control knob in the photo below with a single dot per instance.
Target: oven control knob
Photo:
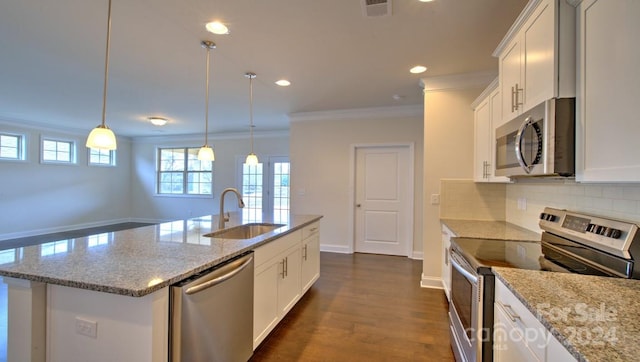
(547, 217)
(613, 233)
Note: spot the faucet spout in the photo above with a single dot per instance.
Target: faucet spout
(222, 219)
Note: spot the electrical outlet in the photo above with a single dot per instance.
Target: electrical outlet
(86, 327)
(435, 199)
(522, 203)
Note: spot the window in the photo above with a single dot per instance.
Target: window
(181, 173)
(11, 146)
(265, 190)
(281, 191)
(252, 192)
(57, 151)
(102, 157)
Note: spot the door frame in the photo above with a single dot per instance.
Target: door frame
(410, 207)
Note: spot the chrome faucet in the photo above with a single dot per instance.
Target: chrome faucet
(221, 217)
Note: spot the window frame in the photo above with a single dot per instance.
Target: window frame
(112, 158)
(73, 151)
(185, 174)
(21, 148)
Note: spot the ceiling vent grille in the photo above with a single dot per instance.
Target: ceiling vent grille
(373, 8)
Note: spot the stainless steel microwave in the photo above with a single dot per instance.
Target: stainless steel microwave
(539, 142)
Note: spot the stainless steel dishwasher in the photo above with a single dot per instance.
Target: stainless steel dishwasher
(212, 314)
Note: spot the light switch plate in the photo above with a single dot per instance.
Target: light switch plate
(435, 199)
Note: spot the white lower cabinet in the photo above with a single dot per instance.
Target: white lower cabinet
(518, 335)
(310, 268)
(284, 269)
(446, 265)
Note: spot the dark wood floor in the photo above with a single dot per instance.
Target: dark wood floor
(364, 307)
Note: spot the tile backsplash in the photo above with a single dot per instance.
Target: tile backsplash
(522, 202)
(620, 201)
(465, 199)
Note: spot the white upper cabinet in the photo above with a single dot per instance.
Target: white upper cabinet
(537, 57)
(486, 112)
(608, 91)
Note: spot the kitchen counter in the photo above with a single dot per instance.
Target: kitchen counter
(136, 262)
(478, 229)
(595, 318)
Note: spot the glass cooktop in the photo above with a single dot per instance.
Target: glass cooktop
(503, 253)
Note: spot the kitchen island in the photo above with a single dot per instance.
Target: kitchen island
(118, 279)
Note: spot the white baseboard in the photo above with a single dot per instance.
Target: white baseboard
(417, 255)
(342, 249)
(431, 282)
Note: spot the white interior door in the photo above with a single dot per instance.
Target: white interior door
(383, 200)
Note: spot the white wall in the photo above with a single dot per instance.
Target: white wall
(147, 205)
(321, 165)
(448, 154)
(38, 198)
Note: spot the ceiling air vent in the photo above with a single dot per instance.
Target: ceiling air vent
(372, 8)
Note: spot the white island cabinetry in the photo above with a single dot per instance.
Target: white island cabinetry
(310, 268)
(276, 283)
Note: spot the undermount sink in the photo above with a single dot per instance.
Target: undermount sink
(246, 231)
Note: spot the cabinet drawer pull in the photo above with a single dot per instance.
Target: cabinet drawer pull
(510, 312)
(304, 254)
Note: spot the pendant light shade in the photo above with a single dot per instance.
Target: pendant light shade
(102, 137)
(252, 159)
(206, 152)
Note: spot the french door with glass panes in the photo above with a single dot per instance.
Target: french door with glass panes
(265, 190)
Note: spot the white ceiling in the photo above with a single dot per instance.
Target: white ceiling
(52, 58)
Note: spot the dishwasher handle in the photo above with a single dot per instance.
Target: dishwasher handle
(213, 282)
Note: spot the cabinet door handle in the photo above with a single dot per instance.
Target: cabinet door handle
(283, 269)
(517, 95)
(513, 99)
(304, 254)
(286, 266)
(510, 312)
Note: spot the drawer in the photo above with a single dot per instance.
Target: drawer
(273, 248)
(310, 230)
(529, 329)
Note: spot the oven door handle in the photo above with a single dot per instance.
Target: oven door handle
(467, 274)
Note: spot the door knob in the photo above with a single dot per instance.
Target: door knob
(358, 205)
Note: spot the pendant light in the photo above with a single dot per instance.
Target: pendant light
(252, 159)
(206, 152)
(102, 137)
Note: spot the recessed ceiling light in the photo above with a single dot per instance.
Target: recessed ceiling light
(283, 83)
(217, 27)
(425, 1)
(158, 121)
(418, 69)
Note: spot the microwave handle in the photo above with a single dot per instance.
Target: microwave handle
(529, 121)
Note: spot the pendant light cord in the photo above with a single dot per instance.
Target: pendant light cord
(251, 110)
(106, 69)
(206, 116)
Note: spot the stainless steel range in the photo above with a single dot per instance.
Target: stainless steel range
(571, 242)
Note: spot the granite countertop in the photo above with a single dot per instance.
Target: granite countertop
(479, 229)
(136, 262)
(595, 318)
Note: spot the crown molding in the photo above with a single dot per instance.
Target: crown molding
(360, 113)
(212, 136)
